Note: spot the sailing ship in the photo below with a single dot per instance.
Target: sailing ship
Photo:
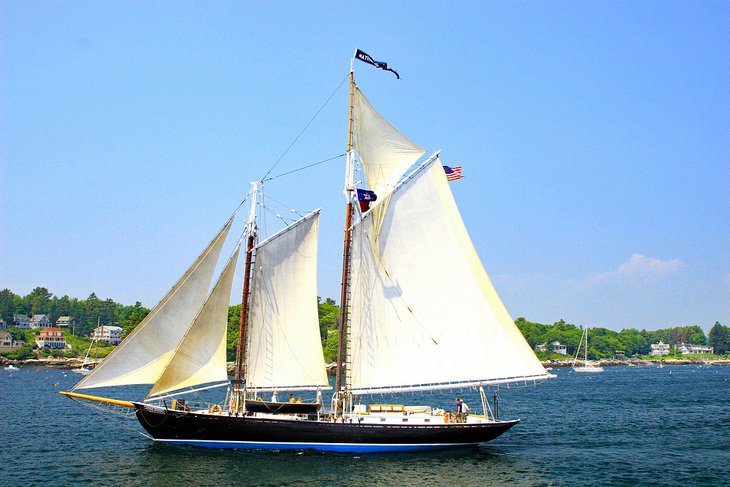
(587, 366)
(405, 251)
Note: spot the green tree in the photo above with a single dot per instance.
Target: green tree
(39, 301)
(633, 342)
(534, 333)
(330, 346)
(61, 307)
(695, 335)
(234, 323)
(719, 337)
(328, 312)
(7, 305)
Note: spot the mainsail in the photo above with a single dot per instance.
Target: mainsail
(385, 153)
(201, 356)
(142, 357)
(424, 314)
(284, 347)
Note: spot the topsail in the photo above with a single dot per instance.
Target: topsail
(385, 153)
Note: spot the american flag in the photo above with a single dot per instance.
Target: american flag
(453, 173)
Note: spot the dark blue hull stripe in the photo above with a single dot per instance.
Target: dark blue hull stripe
(331, 447)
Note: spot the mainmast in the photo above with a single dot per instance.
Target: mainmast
(239, 379)
(342, 325)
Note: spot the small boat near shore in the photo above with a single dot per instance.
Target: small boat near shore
(88, 365)
(587, 367)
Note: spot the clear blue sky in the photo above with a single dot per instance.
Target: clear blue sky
(594, 137)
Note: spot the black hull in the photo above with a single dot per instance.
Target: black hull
(223, 431)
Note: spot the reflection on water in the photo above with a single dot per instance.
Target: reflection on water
(451, 467)
(626, 426)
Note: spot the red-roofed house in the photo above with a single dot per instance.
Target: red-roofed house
(51, 338)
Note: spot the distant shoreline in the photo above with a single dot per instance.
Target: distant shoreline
(72, 363)
(641, 362)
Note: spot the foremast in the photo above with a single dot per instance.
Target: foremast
(239, 377)
(349, 191)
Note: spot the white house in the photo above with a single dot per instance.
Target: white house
(107, 333)
(659, 349)
(689, 349)
(40, 321)
(51, 338)
(559, 348)
(21, 321)
(7, 344)
(541, 347)
(64, 322)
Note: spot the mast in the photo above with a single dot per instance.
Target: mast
(342, 325)
(239, 379)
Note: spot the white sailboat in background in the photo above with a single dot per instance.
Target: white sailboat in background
(406, 255)
(587, 366)
(88, 365)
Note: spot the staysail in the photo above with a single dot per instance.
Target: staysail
(384, 152)
(142, 356)
(201, 356)
(424, 314)
(284, 349)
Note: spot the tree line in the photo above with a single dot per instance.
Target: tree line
(86, 313)
(603, 343)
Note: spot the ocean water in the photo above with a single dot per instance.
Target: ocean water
(627, 426)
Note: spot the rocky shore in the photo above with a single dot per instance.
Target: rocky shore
(642, 363)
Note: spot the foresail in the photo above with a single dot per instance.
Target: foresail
(385, 153)
(201, 356)
(284, 350)
(424, 314)
(143, 355)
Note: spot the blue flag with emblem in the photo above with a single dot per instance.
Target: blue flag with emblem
(365, 197)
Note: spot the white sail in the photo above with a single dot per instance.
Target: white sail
(143, 355)
(284, 349)
(201, 356)
(385, 153)
(424, 314)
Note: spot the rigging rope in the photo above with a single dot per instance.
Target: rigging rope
(304, 167)
(305, 127)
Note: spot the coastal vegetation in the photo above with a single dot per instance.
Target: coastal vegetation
(605, 343)
(86, 313)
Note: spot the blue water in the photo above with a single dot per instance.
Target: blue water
(627, 426)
